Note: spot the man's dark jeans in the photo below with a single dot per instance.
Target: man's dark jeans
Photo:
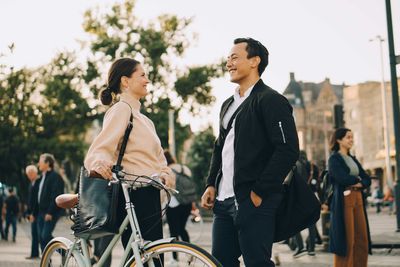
(11, 219)
(247, 230)
(35, 239)
(45, 229)
(225, 240)
(312, 235)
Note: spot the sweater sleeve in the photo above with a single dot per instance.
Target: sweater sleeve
(106, 143)
(365, 178)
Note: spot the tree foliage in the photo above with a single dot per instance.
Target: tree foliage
(159, 45)
(199, 157)
(41, 110)
(47, 109)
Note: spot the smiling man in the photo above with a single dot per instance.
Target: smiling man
(256, 148)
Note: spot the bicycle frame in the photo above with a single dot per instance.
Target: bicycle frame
(136, 242)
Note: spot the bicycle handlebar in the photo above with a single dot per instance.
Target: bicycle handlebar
(138, 181)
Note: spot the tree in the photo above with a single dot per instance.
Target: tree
(119, 33)
(41, 110)
(17, 125)
(63, 113)
(199, 157)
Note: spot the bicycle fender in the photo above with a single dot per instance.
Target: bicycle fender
(78, 256)
(158, 242)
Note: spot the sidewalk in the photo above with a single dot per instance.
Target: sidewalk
(382, 229)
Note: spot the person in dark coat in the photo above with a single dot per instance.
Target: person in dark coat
(51, 185)
(349, 233)
(304, 171)
(32, 212)
(12, 210)
(256, 148)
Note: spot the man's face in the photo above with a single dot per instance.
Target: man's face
(43, 165)
(32, 175)
(238, 65)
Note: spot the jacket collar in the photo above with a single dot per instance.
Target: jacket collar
(225, 107)
(259, 86)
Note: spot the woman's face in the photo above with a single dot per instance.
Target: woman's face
(137, 83)
(347, 141)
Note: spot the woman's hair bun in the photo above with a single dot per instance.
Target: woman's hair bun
(106, 96)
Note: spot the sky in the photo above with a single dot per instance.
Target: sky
(315, 39)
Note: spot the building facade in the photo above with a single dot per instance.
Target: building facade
(363, 111)
(313, 105)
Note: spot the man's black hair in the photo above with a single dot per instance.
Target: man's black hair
(255, 48)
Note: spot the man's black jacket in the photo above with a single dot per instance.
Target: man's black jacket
(33, 208)
(53, 186)
(266, 144)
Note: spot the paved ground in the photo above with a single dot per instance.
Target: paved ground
(382, 230)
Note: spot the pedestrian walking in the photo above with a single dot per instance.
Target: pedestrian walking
(377, 196)
(50, 186)
(304, 171)
(348, 234)
(32, 173)
(388, 199)
(126, 85)
(181, 204)
(12, 210)
(256, 148)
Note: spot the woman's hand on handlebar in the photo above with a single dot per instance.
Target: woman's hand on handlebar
(103, 167)
(168, 178)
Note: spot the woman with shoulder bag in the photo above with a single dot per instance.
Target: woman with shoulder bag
(349, 233)
(127, 84)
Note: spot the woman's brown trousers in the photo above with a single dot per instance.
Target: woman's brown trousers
(356, 233)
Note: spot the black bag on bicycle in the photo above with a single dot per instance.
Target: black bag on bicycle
(96, 214)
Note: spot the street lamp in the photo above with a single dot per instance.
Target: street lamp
(394, 60)
(326, 113)
(171, 133)
(386, 133)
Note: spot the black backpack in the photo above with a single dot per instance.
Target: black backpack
(326, 188)
(186, 187)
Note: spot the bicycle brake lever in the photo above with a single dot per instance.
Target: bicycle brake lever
(172, 190)
(114, 179)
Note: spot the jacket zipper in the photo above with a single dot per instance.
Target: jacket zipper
(283, 134)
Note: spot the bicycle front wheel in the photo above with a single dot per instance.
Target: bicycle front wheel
(55, 254)
(177, 253)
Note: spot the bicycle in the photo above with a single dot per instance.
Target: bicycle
(61, 251)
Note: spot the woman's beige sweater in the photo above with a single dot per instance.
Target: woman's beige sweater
(143, 155)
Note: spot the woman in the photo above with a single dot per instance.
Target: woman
(126, 85)
(349, 234)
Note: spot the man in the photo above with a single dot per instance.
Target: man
(304, 171)
(250, 161)
(12, 209)
(32, 174)
(51, 185)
